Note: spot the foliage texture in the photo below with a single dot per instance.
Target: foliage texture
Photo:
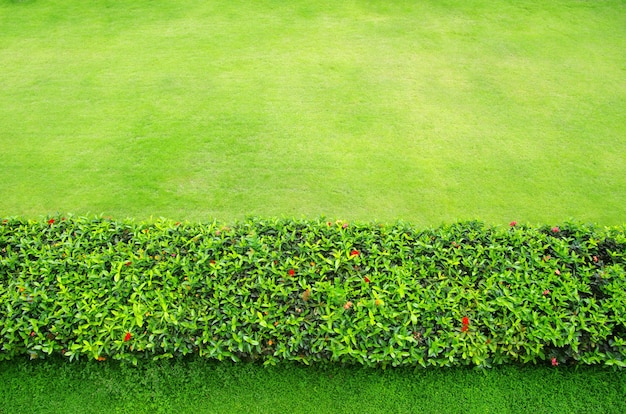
(310, 291)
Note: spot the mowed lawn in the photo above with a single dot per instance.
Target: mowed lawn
(427, 111)
(200, 386)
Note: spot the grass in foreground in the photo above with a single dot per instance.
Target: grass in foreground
(211, 387)
(428, 111)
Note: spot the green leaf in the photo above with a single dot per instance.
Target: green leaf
(137, 311)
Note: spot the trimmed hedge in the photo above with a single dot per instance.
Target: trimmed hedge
(309, 291)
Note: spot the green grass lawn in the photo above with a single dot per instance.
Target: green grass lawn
(196, 386)
(428, 111)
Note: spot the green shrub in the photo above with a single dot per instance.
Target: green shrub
(308, 291)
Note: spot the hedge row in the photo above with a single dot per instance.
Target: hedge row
(309, 291)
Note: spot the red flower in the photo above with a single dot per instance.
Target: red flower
(32, 334)
(348, 305)
(555, 229)
(354, 253)
(128, 263)
(465, 322)
(127, 337)
(292, 272)
(367, 279)
(554, 362)
(51, 222)
(344, 225)
(513, 223)
(595, 259)
(546, 292)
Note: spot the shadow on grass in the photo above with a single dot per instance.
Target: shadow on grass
(196, 385)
